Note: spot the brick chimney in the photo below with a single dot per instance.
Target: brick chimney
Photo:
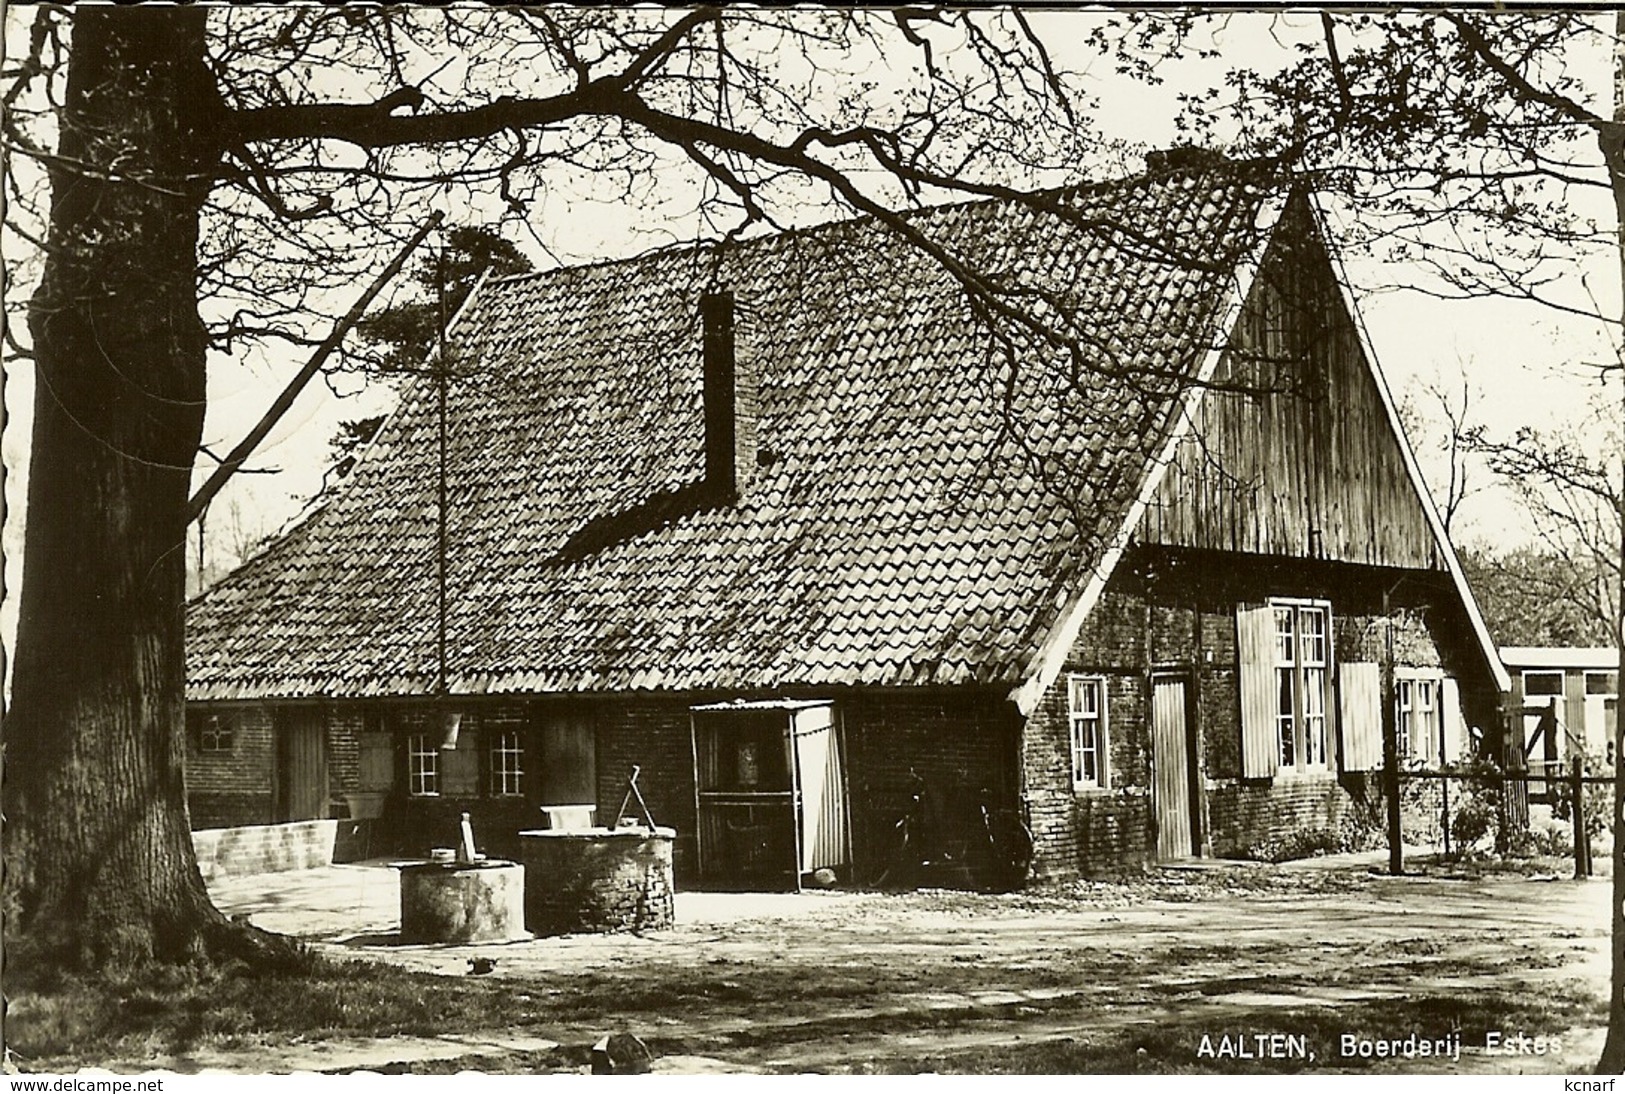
(730, 402)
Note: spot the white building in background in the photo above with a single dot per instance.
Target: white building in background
(1581, 682)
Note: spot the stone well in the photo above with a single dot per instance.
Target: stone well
(462, 902)
(597, 879)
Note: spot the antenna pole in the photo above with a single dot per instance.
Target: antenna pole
(441, 371)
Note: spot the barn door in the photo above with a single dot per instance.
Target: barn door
(301, 790)
(1171, 756)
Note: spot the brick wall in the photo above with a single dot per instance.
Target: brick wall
(653, 733)
(1175, 611)
(414, 825)
(1249, 819)
(344, 725)
(235, 787)
(960, 743)
(620, 882)
(264, 849)
(230, 810)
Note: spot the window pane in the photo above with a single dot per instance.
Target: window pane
(1286, 715)
(423, 765)
(1313, 625)
(1086, 698)
(1543, 683)
(1602, 683)
(1285, 643)
(506, 764)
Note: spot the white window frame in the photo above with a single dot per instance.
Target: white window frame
(1562, 684)
(1414, 719)
(1301, 670)
(507, 764)
(422, 766)
(1081, 723)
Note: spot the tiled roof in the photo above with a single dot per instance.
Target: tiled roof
(923, 510)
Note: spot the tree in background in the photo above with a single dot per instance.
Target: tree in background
(397, 340)
(1439, 423)
(1568, 481)
(1532, 596)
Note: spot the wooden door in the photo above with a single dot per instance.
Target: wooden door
(1170, 752)
(302, 791)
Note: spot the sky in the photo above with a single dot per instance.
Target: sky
(1526, 363)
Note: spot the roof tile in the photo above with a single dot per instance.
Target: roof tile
(922, 519)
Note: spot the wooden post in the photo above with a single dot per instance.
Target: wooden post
(1446, 783)
(1577, 811)
(1390, 750)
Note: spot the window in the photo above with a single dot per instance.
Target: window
(507, 764)
(1416, 716)
(422, 765)
(1543, 683)
(215, 735)
(1086, 713)
(1601, 683)
(1302, 655)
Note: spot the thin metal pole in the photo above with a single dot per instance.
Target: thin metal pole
(441, 371)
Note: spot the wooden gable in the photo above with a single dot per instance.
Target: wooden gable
(1292, 451)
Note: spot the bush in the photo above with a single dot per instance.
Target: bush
(1477, 818)
(1296, 844)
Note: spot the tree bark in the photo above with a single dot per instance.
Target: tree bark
(100, 870)
(1611, 140)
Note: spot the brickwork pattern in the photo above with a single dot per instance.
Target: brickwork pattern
(248, 768)
(230, 810)
(598, 883)
(264, 849)
(961, 744)
(1173, 611)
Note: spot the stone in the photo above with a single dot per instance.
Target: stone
(597, 880)
(484, 902)
(621, 1053)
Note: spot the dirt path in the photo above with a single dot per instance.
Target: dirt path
(843, 981)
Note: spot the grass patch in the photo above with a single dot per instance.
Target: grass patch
(1475, 865)
(173, 1010)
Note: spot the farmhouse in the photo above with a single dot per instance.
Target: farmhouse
(1093, 510)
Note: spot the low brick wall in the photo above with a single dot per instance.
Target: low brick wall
(264, 848)
(599, 881)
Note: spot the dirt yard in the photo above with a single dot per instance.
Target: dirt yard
(1181, 970)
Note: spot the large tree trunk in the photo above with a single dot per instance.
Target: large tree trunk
(99, 863)
(1611, 140)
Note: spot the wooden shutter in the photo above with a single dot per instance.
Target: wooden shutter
(1455, 727)
(377, 762)
(460, 766)
(1359, 709)
(1255, 673)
